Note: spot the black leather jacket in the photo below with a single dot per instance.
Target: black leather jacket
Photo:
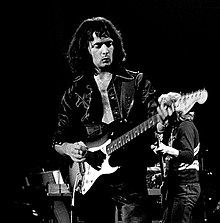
(131, 97)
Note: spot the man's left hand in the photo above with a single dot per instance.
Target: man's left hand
(166, 104)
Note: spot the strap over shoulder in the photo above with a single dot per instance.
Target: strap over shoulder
(127, 93)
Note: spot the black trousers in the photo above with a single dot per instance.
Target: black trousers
(180, 202)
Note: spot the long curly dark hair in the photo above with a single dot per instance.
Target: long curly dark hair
(78, 57)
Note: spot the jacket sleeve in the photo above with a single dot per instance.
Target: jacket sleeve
(67, 116)
(186, 143)
(145, 102)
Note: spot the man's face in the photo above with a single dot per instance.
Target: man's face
(101, 50)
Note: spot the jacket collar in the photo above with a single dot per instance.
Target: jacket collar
(125, 74)
(121, 73)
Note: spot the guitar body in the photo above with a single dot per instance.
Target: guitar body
(82, 175)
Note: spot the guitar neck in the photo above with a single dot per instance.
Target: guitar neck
(132, 134)
(184, 103)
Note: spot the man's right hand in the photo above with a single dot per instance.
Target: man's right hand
(76, 151)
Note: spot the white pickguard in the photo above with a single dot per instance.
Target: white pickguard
(92, 174)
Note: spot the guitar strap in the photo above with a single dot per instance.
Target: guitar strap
(127, 96)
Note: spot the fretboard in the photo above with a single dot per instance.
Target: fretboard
(131, 134)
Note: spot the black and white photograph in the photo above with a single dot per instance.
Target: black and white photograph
(111, 112)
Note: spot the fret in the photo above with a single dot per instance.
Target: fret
(120, 143)
(127, 137)
(150, 122)
(131, 135)
(147, 124)
(135, 132)
(115, 147)
(123, 139)
(109, 148)
(142, 127)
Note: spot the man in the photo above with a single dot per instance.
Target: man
(182, 181)
(104, 101)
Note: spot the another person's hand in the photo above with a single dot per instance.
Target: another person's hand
(167, 150)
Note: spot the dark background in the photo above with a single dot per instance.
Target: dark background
(176, 42)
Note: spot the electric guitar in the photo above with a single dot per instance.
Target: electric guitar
(82, 175)
(164, 163)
